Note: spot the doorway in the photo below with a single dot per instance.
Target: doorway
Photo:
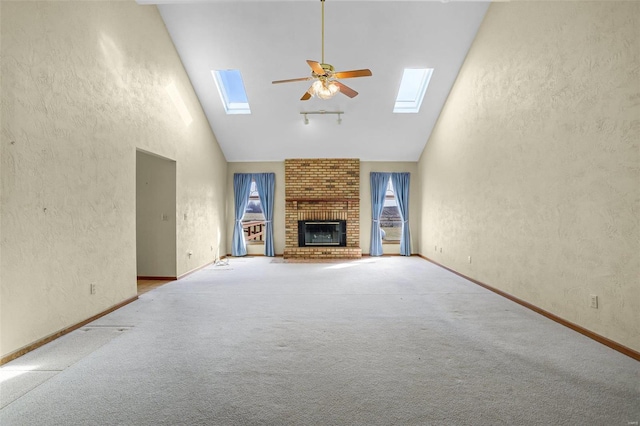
(155, 217)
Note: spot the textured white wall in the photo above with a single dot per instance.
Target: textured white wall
(533, 168)
(83, 85)
(155, 216)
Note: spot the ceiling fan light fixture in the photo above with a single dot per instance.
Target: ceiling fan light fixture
(325, 79)
(324, 89)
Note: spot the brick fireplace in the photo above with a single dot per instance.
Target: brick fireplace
(322, 190)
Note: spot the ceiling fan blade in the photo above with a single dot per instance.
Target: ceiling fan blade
(352, 74)
(290, 80)
(316, 67)
(306, 96)
(347, 90)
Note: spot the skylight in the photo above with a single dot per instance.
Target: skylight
(231, 90)
(412, 89)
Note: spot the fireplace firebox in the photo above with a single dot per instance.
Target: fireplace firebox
(313, 233)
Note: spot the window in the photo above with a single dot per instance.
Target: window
(412, 89)
(390, 220)
(231, 91)
(253, 219)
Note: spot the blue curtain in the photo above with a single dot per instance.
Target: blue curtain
(400, 183)
(379, 182)
(241, 191)
(265, 182)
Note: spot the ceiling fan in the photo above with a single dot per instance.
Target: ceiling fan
(325, 84)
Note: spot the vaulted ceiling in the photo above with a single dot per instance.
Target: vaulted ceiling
(271, 40)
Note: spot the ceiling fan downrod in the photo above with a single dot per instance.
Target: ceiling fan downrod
(322, 1)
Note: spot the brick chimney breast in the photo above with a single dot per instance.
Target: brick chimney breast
(323, 190)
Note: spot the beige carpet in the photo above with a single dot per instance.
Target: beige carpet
(378, 341)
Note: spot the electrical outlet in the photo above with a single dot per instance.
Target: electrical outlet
(594, 301)
(469, 259)
(92, 288)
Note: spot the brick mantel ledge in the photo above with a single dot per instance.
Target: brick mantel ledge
(306, 200)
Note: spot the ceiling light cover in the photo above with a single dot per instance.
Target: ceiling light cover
(412, 89)
(324, 89)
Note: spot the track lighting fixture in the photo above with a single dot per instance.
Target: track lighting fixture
(322, 112)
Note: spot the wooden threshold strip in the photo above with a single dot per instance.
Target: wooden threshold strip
(153, 278)
(575, 327)
(52, 337)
